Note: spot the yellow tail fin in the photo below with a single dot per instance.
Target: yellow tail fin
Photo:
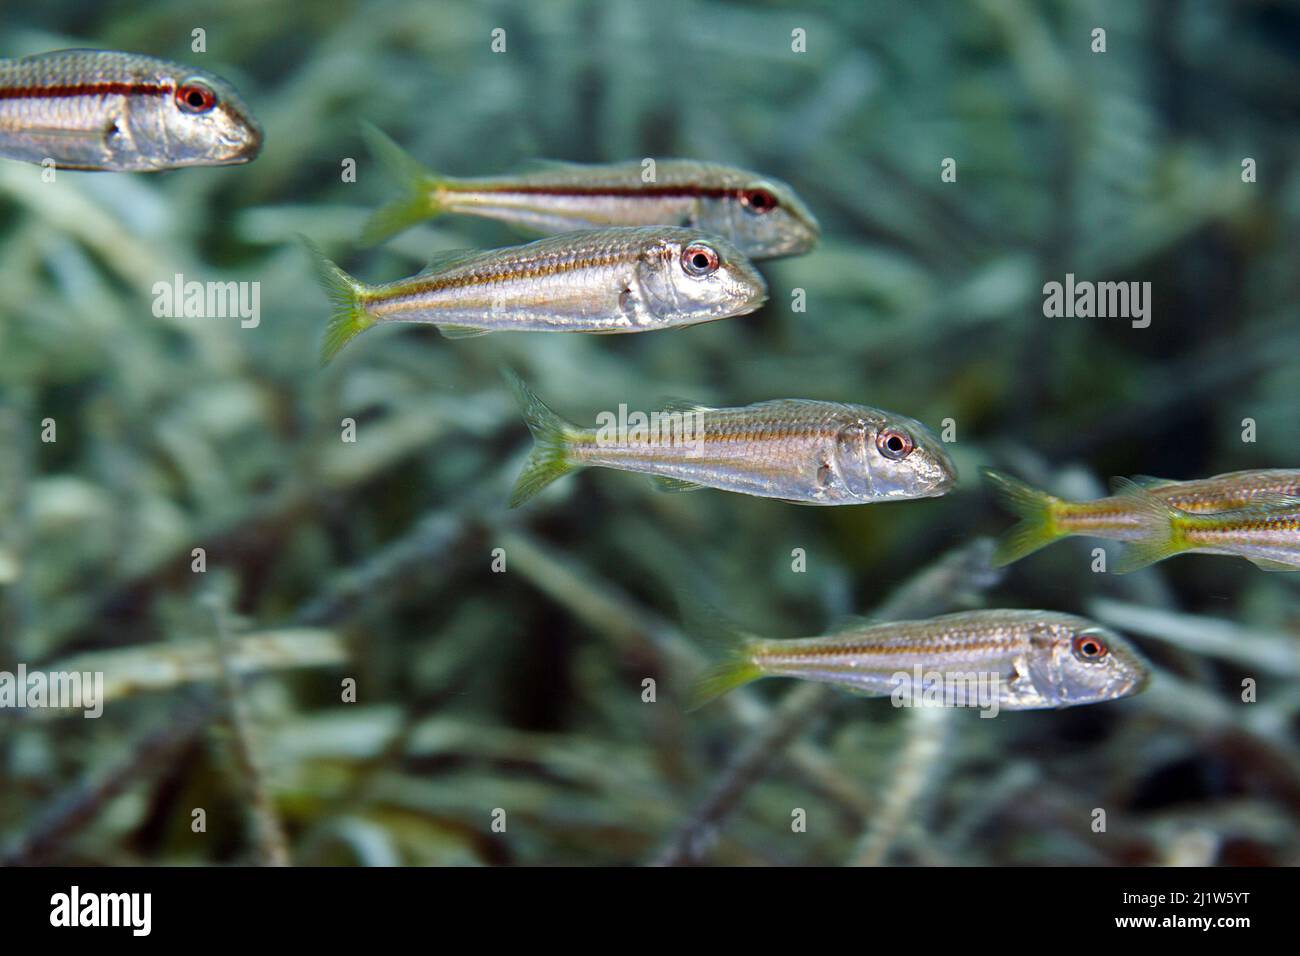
(735, 670)
(550, 457)
(734, 649)
(1037, 527)
(419, 189)
(350, 317)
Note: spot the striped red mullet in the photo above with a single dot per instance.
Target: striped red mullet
(997, 659)
(760, 215)
(798, 450)
(101, 110)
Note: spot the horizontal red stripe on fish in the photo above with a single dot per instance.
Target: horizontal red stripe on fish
(706, 192)
(82, 89)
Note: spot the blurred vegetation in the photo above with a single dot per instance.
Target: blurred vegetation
(522, 691)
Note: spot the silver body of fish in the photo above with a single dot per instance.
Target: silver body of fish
(761, 216)
(802, 451)
(603, 281)
(108, 111)
(1014, 659)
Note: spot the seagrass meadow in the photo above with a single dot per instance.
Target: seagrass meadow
(325, 637)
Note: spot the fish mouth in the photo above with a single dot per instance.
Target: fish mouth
(248, 147)
(810, 235)
(803, 237)
(942, 486)
(1136, 683)
(944, 476)
(748, 291)
(252, 147)
(753, 299)
(794, 244)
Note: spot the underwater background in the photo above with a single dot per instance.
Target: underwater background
(381, 663)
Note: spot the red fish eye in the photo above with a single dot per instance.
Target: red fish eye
(758, 200)
(1089, 647)
(699, 259)
(894, 443)
(195, 97)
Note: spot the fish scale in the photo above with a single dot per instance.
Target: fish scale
(1228, 492)
(751, 448)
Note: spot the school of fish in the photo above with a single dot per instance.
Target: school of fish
(646, 245)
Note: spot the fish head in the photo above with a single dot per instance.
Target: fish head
(199, 121)
(687, 276)
(880, 455)
(1084, 663)
(763, 217)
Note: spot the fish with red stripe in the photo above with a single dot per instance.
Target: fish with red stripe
(761, 216)
(998, 659)
(122, 112)
(798, 450)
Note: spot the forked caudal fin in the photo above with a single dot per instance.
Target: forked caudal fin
(350, 316)
(735, 670)
(550, 456)
(732, 646)
(419, 186)
(1037, 527)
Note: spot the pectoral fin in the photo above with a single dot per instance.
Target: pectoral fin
(1149, 482)
(462, 331)
(71, 149)
(1266, 564)
(665, 483)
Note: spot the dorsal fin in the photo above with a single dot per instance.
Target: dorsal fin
(845, 623)
(673, 404)
(1273, 501)
(1267, 564)
(1149, 482)
(1143, 499)
(550, 166)
(442, 261)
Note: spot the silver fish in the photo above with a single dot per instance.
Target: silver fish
(1023, 660)
(100, 110)
(762, 216)
(808, 452)
(607, 280)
